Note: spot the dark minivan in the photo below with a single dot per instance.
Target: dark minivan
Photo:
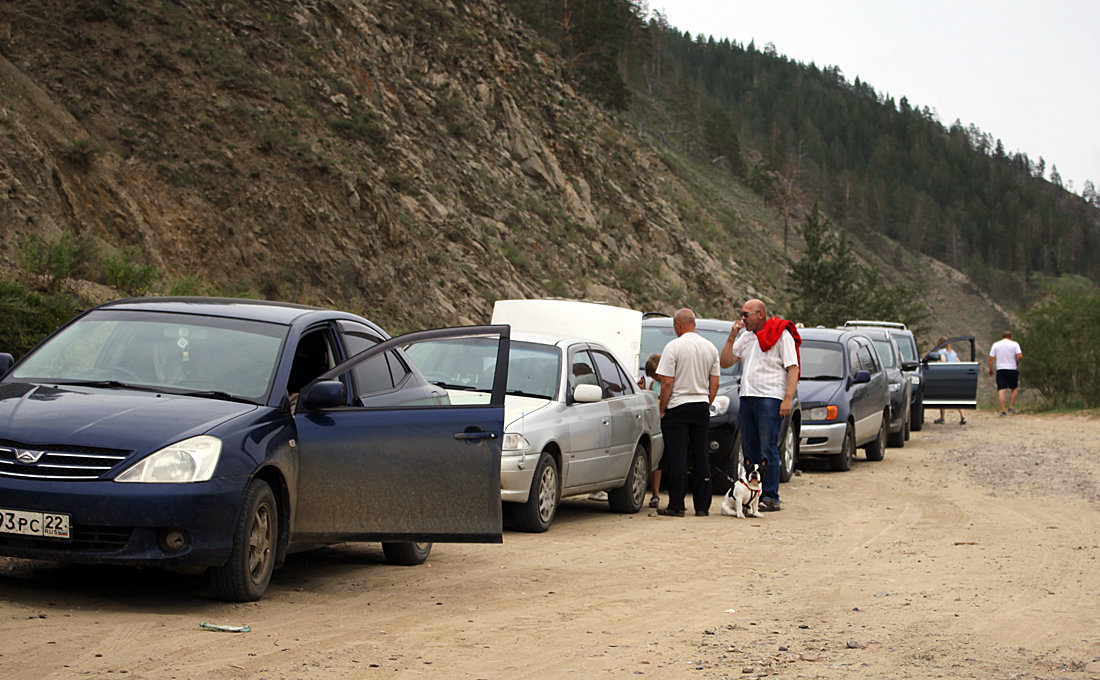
(845, 396)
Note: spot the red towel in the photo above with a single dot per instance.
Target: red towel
(773, 328)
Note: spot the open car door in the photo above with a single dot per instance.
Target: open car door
(407, 467)
(951, 384)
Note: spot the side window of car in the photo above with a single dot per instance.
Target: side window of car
(379, 374)
(867, 359)
(313, 356)
(611, 379)
(853, 358)
(582, 372)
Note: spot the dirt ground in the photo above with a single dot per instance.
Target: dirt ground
(971, 553)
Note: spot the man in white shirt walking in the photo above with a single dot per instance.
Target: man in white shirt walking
(1006, 353)
(688, 372)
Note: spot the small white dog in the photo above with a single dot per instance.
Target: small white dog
(744, 494)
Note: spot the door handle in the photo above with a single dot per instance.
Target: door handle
(475, 434)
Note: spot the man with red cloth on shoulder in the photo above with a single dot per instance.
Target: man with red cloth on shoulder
(769, 381)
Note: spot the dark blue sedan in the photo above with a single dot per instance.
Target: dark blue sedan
(220, 435)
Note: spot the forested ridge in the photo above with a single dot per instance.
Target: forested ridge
(799, 133)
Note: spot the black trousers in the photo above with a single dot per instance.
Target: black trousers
(685, 432)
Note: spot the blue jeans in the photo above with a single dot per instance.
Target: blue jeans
(759, 421)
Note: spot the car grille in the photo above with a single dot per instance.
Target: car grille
(57, 462)
(84, 539)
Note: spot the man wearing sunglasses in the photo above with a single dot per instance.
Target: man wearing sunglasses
(769, 381)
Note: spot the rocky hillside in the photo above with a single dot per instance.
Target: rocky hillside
(413, 161)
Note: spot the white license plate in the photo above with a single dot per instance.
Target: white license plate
(24, 523)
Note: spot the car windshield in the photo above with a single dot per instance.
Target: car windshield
(886, 353)
(654, 339)
(821, 360)
(468, 364)
(179, 353)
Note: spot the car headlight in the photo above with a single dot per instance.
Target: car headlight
(915, 379)
(823, 413)
(894, 387)
(192, 460)
(515, 444)
(720, 405)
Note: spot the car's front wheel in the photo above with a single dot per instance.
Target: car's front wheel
(842, 462)
(916, 416)
(876, 448)
(245, 577)
(537, 513)
(788, 452)
(897, 439)
(629, 497)
(406, 553)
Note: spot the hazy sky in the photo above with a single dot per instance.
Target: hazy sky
(1027, 73)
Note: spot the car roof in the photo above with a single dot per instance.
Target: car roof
(562, 341)
(891, 325)
(703, 323)
(236, 308)
(830, 334)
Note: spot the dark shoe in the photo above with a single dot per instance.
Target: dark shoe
(702, 513)
(938, 421)
(1003, 413)
(655, 502)
(1012, 411)
(770, 506)
(665, 512)
(962, 421)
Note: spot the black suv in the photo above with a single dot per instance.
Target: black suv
(724, 435)
(899, 383)
(911, 364)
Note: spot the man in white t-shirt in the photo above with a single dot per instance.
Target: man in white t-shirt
(769, 382)
(688, 372)
(1006, 355)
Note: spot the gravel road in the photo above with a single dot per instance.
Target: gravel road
(970, 553)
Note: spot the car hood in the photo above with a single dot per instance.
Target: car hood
(106, 418)
(818, 391)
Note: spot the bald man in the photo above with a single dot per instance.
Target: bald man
(688, 373)
(769, 381)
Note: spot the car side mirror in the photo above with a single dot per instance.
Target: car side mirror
(861, 377)
(587, 394)
(910, 365)
(6, 362)
(322, 394)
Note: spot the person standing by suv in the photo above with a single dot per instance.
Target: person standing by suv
(1007, 354)
(769, 382)
(688, 372)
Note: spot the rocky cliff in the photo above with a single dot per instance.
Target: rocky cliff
(413, 161)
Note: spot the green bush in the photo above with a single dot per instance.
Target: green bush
(124, 271)
(29, 316)
(1058, 338)
(66, 256)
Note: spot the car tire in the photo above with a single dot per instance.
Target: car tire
(536, 515)
(732, 469)
(876, 448)
(842, 462)
(788, 452)
(406, 553)
(245, 576)
(629, 497)
(916, 417)
(896, 440)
